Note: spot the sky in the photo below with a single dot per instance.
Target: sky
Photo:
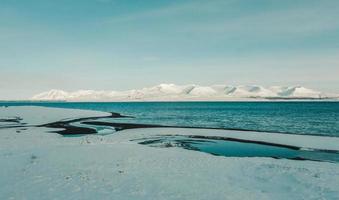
(125, 44)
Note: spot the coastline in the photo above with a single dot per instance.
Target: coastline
(40, 164)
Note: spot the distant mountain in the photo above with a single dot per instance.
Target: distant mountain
(172, 92)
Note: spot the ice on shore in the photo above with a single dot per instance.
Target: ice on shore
(37, 164)
(35, 115)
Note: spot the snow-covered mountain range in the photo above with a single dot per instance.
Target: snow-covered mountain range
(172, 92)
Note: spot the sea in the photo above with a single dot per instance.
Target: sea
(310, 118)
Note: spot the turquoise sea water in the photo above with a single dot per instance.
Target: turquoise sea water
(314, 118)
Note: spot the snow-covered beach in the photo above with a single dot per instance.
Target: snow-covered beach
(169, 100)
(39, 164)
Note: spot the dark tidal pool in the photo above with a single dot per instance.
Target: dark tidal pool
(233, 148)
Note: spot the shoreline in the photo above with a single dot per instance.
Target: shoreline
(37, 163)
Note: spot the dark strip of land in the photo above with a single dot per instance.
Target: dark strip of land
(69, 129)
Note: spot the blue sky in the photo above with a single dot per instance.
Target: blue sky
(122, 44)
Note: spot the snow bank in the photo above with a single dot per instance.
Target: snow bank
(34, 115)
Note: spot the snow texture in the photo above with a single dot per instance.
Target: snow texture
(172, 92)
(37, 164)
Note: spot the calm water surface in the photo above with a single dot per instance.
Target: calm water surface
(315, 118)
